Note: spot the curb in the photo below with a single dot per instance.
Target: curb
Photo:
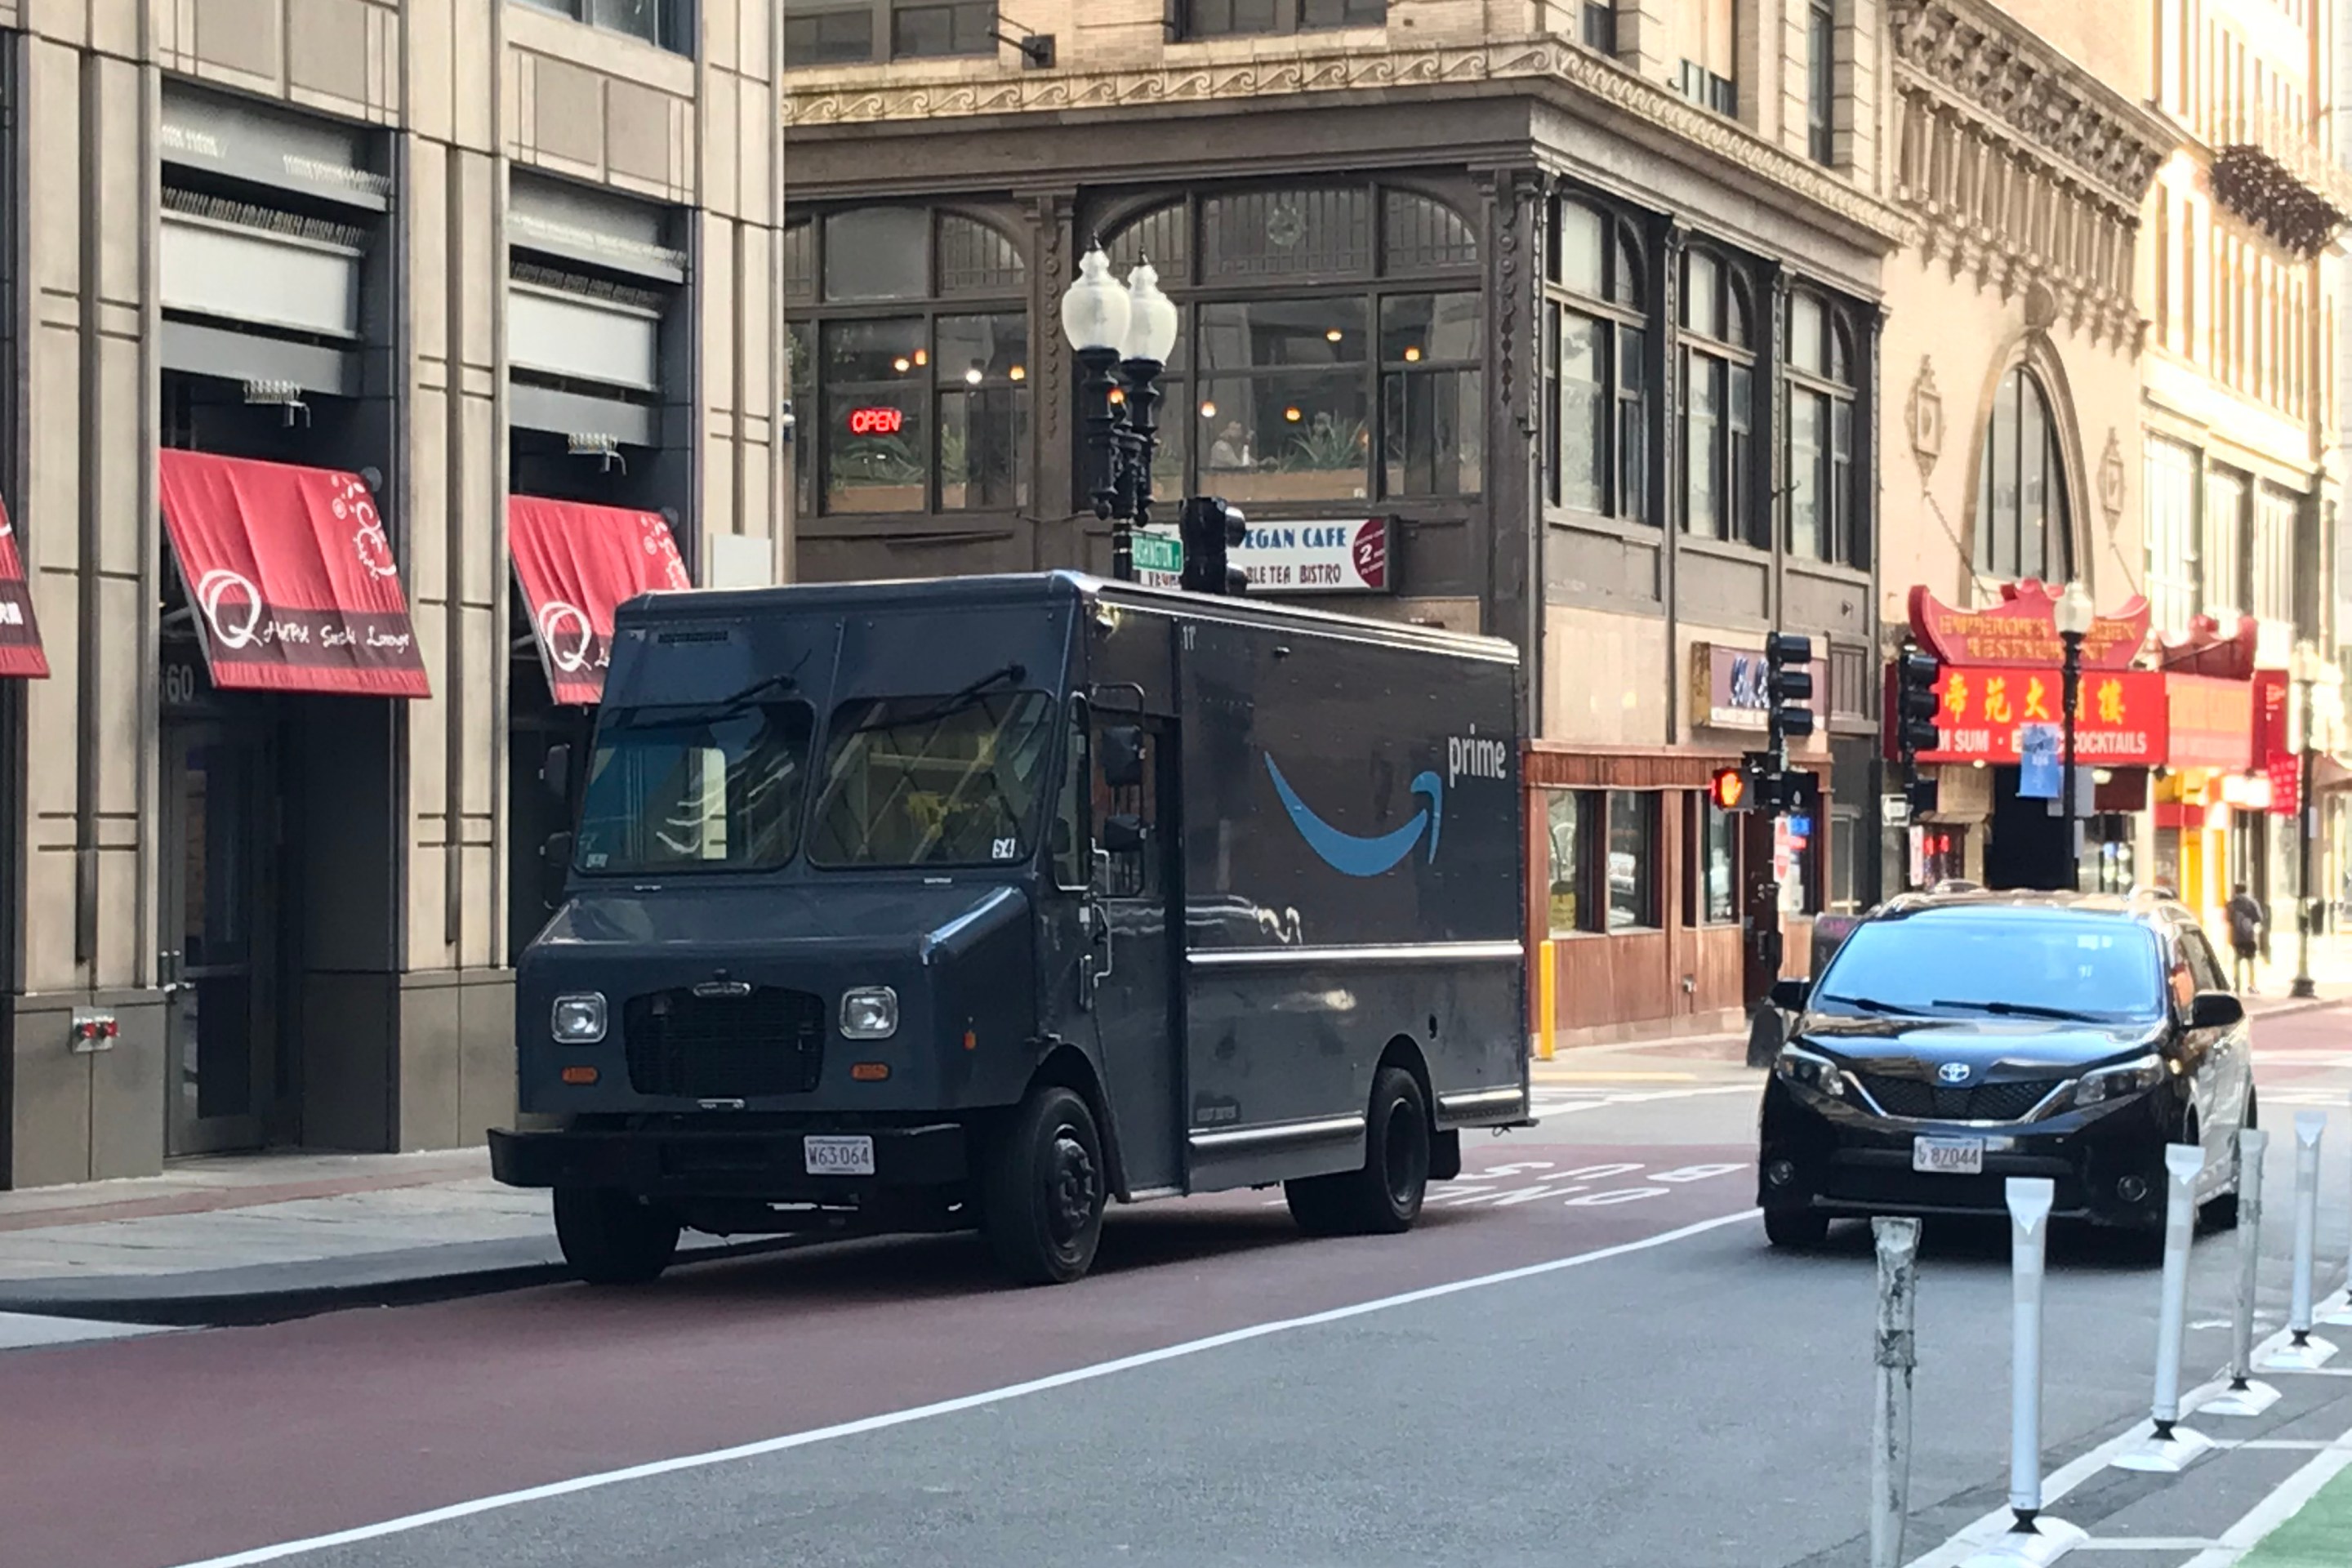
(261, 1294)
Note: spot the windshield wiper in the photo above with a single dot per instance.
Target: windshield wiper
(2020, 1010)
(1869, 1004)
(946, 707)
(703, 712)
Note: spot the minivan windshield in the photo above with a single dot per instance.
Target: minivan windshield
(711, 787)
(1945, 963)
(933, 780)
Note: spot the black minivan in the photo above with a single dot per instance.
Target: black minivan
(1959, 1038)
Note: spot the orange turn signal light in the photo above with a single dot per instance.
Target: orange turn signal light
(971, 1041)
(869, 1072)
(580, 1075)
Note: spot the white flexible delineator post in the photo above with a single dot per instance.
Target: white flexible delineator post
(2244, 1396)
(2341, 1317)
(2032, 1539)
(1896, 1355)
(2171, 1447)
(2302, 1352)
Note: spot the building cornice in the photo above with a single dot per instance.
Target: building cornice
(876, 98)
(1973, 54)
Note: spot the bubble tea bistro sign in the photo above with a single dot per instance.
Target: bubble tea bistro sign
(1344, 557)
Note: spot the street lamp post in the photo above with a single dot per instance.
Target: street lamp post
(1122, 337)
(2073, 614)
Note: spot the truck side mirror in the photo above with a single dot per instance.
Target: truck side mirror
(554, 865)
(1121, 750)
(555, 774)
(1122, 835)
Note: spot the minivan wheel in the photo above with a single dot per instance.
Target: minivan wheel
(611, 1237)
(1383, 1198)
(1042, 1205)
(1795, 1229)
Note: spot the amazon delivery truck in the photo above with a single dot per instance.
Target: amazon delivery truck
(980, 903)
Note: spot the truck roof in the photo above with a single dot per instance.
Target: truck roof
(1042, 587)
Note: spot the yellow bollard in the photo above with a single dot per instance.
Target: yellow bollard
(1546, 1000)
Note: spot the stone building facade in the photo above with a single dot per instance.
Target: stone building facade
(413, 255)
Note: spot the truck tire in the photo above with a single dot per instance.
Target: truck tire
(1384, 1197)
(610, 1238)
(1043, 1191)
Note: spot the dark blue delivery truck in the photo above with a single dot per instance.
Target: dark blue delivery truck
(980, 903)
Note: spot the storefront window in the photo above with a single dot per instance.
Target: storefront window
(2023, 518)
(1595, 419)
(1633, 859)
(1718, 400)
(1317, 389)
(1572, 820)
(921, 406)
(1822, 500)
(1714, 864)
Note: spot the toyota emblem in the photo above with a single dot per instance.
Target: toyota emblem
(1953, 1072)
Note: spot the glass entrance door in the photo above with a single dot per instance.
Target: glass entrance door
(214, 943)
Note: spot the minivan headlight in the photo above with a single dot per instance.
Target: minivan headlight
(578, 1020)
(2120, 1082)
(1817, 1073)
(869, 1013)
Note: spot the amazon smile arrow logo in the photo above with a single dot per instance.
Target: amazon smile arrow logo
(1353, 857)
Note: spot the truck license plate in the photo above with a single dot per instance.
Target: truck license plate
(1942, 1156)
(838, 1156)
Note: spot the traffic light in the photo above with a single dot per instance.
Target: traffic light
(1920, 796)
(1729, 789)
(1212, 529)
(1915, 674)
(1788, 686)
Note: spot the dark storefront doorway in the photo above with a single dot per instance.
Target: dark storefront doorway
(217, 936)
(2025, 846)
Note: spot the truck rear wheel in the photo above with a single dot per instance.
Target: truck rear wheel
(1384, 1197)
(610, 1238)
(1044, 1191)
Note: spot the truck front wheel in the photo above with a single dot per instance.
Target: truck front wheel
(1383, 1198)
(610, 1238)
(1044, 1190)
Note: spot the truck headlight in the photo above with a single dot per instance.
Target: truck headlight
(1815, 1072)
(869, 1013)
(2120, 1082)
(578, 1020)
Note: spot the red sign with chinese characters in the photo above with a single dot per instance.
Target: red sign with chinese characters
(2285, 770)
(2212, 721)
(2023, 630)
(20, 636)
(2119, 720)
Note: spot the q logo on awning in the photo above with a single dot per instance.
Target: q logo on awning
(570, 652)
(213, 592)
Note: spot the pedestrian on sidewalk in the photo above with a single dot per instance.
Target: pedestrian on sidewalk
(2247, 922)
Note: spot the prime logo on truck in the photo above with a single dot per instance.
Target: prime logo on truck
(982, 903)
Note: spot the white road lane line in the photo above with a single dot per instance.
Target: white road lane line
(951, 1407)
(2274, 1509)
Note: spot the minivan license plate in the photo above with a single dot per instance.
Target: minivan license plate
(838, 1156)
(1942, 1156)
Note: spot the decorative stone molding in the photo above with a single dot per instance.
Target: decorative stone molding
(882, 96)
(2111, 480)
(1926, 418)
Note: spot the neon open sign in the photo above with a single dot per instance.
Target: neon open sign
(875, 421)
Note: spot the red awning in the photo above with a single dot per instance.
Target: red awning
(292, 578)
(20, 636)
(577, 563)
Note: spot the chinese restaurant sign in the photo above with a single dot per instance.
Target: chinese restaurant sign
(1983, 710)
(2023, 630)
(20, 637)
(2212, 721)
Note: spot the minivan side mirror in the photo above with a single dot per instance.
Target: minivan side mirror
(554, 865)
(1122, 835)
(1789, 995)
(1121, 750)
(555, 774)
(2215, 1010)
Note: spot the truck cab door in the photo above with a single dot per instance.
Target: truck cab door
(1129, 971)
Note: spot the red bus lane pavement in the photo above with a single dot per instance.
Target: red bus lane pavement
(218, 1441)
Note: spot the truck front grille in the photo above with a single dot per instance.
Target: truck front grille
(1919, 1100)
(767, 1041)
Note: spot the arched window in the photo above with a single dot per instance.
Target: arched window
(2025, 525)
(1824, 508)
(1595, 450)
(1339, 355)
(910, 362)
(1719, 356)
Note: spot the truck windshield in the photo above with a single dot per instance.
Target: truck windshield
(708, 788)
(933, 780)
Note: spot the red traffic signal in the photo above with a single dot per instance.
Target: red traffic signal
(1727, 787)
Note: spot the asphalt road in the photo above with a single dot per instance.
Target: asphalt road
(1585, 1356)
